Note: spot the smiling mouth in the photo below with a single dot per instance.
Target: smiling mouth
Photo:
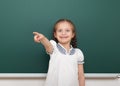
(64, 37)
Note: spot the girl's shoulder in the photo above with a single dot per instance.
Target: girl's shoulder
(53, 42)
(78, 50)
(80, 56)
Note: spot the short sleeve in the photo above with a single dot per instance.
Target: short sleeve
(80, 56)
(54, 45)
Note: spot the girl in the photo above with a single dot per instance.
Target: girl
(66, 61)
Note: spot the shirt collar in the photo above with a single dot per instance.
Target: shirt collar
(64, 51)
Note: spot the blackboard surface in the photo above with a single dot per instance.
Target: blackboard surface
(98, 33)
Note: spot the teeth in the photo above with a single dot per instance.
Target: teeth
(63, 37)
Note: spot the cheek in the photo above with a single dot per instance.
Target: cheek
(73, 35)
(55, 35)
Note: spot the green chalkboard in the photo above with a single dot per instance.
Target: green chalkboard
(98, 33)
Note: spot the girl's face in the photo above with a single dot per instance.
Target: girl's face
(64, 32)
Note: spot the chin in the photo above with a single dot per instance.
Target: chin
(63, 42)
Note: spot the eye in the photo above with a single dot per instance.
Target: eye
(67, 30)
(59, 30)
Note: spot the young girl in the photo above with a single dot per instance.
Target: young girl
(66, 61)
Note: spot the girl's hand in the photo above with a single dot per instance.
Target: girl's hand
(38, 37)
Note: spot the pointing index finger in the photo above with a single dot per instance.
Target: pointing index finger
(35, 33)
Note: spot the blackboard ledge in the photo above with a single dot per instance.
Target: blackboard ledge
(43, 75)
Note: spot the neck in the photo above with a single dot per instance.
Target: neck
(66, 46)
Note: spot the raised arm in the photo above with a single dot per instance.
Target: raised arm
(40, 38)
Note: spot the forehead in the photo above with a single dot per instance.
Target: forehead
(64, 24)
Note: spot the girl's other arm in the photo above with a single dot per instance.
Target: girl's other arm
(81, 76)
(40, 38)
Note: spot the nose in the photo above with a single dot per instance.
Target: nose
(63, 32)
